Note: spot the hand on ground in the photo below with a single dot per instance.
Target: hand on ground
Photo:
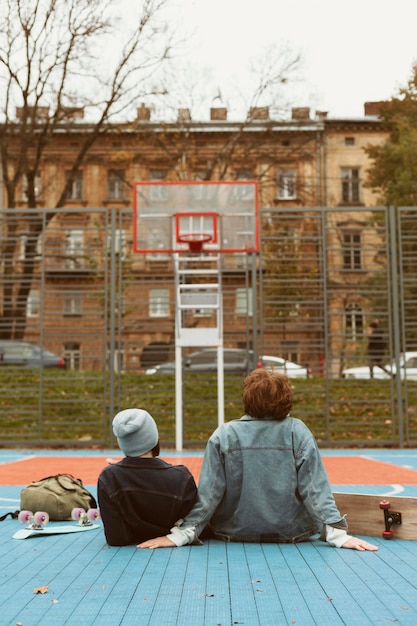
(158, 542)
(359, 544)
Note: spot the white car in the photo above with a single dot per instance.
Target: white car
(290, 369)
(408, 369)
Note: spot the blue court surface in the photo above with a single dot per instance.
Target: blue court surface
(78, 579)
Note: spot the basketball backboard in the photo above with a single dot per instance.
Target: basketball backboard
(222, 215)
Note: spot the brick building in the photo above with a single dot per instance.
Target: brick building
(303, 161)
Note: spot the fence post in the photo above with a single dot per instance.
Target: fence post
(112, 321)
(396, 320)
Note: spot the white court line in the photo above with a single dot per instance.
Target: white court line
(8, 503)
(396, 490)
(26, 458)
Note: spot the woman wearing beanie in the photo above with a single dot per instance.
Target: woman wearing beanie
(141, 496)
(262, 478)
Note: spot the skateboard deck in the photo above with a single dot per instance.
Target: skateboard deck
(379, 516)
(25, 533)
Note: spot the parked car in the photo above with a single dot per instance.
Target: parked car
(23, 354)
(408, 369)
(289, 368)
(236, 361)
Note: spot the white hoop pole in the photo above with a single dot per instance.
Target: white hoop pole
(178, 400)
(220, 385)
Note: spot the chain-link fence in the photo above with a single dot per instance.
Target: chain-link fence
(71, 285)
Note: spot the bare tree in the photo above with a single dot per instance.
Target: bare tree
(59, 58)
(267, 86)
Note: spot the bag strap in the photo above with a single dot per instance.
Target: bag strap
(79, 482)
(74, 481)
(13, 515)
(57, 477)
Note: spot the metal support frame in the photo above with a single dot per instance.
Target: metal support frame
(198, 285)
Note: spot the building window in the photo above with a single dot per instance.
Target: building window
(290, 351)
(244, 192)
(202, 192)
(72, 303)
(350, 185)
(32, 303)
(349, 141)
(351, 247)
(117, 363)
(116, 184)
(72, 355)
(75, 189)
(74, 248)
(24, 240)
(119, 241)
(37, 186)
(158, 192)
(287, 184)
(354, 322)
(244, 303)
(244, 175)
(159, 303)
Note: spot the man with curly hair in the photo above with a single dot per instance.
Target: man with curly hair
(262, 478)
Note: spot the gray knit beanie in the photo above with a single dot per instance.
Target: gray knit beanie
(136, 431)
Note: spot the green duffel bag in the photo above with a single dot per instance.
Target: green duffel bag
(56, 495)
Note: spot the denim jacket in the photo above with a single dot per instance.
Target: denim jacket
(262, 480)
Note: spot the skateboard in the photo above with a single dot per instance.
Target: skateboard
(395, 516)
(37, 523)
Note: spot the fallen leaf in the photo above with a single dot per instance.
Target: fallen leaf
(54, 601)
(43, 589)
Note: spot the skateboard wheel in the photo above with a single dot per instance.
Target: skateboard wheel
(387, 534)
(25, 516)
(93, 515)
(77, 513)
(385, 504)
(41, 517)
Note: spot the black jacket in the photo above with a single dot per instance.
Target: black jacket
(141, 498)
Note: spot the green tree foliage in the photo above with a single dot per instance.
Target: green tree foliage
(393, 173)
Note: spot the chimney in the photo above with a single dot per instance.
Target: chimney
(300, 113)
(71, 113)
(143, 113)
(32, 111)
(218, 113)
(372, 108)
(259, 113)
(321, 115)
(184, 115)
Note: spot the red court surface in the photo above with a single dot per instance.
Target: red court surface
(348, 470)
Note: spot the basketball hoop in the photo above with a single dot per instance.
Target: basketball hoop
(195, 241)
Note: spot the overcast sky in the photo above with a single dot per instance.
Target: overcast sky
(355, 51)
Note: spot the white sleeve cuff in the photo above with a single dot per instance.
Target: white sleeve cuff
(336, 536)
(182, 537)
